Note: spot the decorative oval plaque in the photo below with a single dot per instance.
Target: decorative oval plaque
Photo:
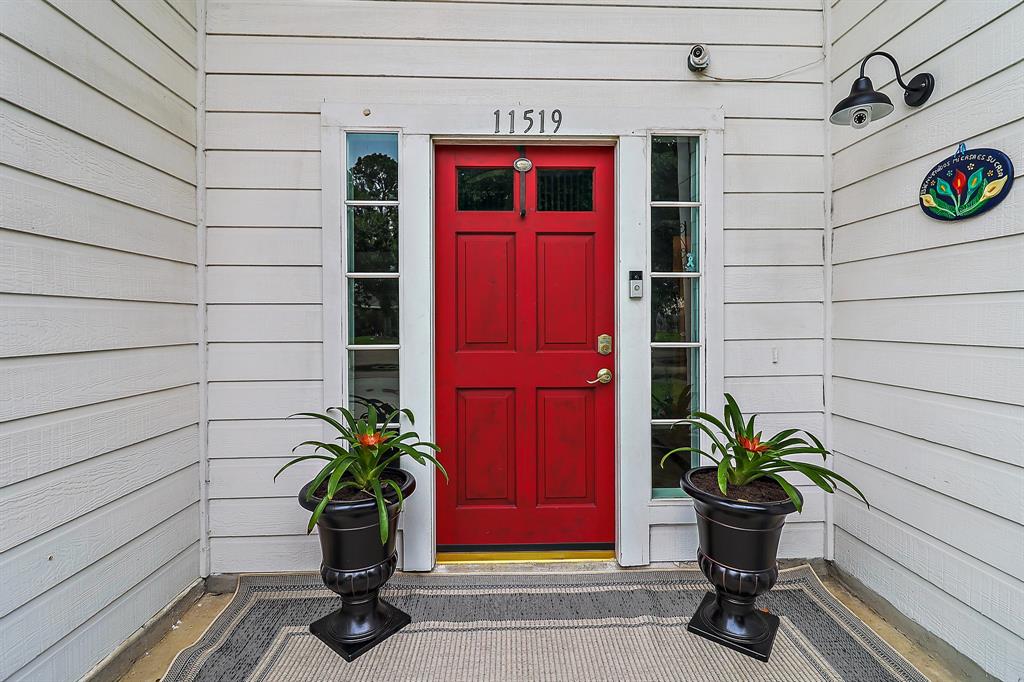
(966, 184)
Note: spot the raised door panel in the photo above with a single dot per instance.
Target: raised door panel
(565, 292)
(486, 462)
(486, 285)
(565, 446)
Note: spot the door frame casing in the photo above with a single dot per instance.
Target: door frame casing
(629, 128)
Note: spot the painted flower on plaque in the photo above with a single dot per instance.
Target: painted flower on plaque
(966, 184)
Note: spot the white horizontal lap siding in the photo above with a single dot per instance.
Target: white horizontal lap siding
(98, 327)
(271, 66)
(928, 350)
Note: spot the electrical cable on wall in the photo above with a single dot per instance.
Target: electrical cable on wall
(700, 58)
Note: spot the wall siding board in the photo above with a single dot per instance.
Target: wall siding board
(262, 132)
(997, 541)
(773, 247)
(43, 621)
(263, 399)
(492, 59)
(28, 569)
(305, 94)
(265, 361)
(74, 655)
(995, 374)
(32, 83)
(774, 321)
(32, 264)
(988, 484)
(258, 437)
(876, 27)
(773, 174)
(259, 169)
(975, 635)
(262, 208)
(984, 428)
(132, 40)
(30, 203)
(28, 510)
(255, 284)
(777, 393)
(264, 323)
(98, 328)
(263, 246)
(31, 325)
(774, 136)
(169, 27)
(775, 211)
(45, 31)
(38, 146)
(773, 284)
(773, 358)
(81, 433)
(928, 336)
(983, 320)
(553, 23)
(36, 385)
(909, 229)
(992, 265)
(961, 575)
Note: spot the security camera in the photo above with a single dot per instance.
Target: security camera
(699, 58)
(860, 117)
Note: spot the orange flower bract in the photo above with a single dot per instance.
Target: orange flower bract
(752, 444)
(370, 440)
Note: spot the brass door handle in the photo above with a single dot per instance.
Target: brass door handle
(604, 376)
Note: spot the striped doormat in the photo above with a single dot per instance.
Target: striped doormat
(621, 625)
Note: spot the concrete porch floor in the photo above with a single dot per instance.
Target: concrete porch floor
(151, 666)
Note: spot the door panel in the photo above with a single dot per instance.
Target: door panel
(521, 300)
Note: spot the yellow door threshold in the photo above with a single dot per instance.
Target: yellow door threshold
(508, 557)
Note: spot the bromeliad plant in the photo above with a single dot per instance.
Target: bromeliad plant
(743, 458)
(363, 451)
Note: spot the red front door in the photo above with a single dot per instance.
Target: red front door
(524, 288)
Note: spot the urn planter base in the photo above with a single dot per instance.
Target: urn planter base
(711, 622)
(328, 628)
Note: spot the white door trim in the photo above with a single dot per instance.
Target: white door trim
(628, 127)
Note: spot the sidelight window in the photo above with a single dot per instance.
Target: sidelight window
(676, 341)
(372, 270)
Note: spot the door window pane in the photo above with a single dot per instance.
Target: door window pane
(373, 379)
(674, 310)
(374, 306)
(674, 169)
(664, 439)
(373, 239)
(570, 189)
(673, 382)
(485, 189)
(674, 239)
(372, 166)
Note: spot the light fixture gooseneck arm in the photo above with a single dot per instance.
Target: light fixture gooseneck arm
(895, 66)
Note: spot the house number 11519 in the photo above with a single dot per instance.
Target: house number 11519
(528, 119)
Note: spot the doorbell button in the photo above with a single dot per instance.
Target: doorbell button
(636, 284)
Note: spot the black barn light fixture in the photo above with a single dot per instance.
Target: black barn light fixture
(865, 104)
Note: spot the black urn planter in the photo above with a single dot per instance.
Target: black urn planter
(355, 566)
(739, 542)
